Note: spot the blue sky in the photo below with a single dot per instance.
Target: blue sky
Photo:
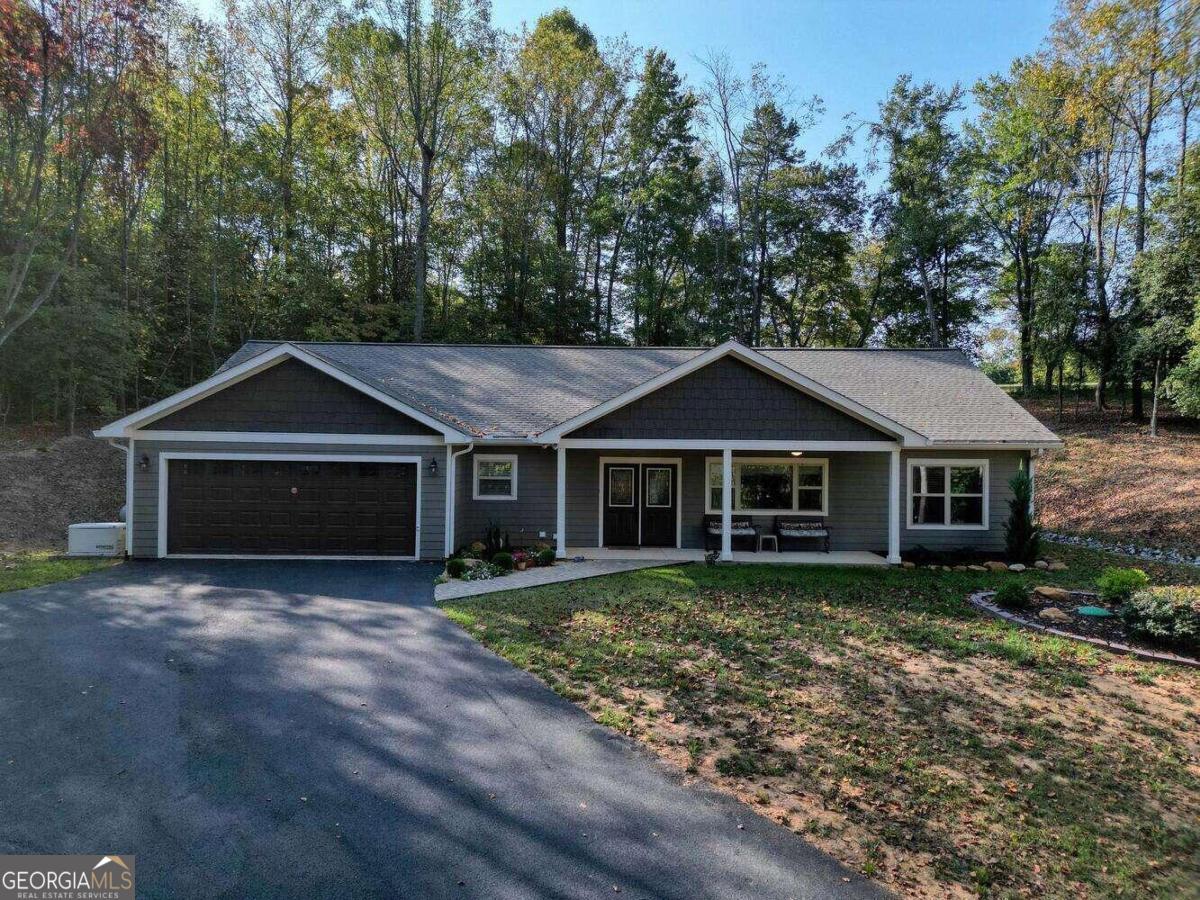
(848, 52)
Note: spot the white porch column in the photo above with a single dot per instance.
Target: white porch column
(560, 500)
(894, 508)
(1032, 487)
(726, 503)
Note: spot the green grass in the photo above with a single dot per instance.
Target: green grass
(876, 713)
(30, 569)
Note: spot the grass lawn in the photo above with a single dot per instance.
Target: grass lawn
(29, 569)
(873, 711)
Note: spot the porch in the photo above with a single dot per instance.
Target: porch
(685, 555)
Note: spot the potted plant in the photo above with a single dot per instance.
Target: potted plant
(520, 560)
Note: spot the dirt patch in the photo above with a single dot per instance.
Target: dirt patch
(1112, 480)
(49, 480)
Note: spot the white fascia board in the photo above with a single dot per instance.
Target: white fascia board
(994, 445)
(253, 366)
(281, 437)
(750, 357)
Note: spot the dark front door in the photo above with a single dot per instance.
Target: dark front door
(658, 505)
(291, 508)
(620, 505)
(639, 505)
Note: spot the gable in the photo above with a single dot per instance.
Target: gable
(729, 400)
(290, 397)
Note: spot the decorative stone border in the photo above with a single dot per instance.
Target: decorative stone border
(1150, 554)
(979, 600)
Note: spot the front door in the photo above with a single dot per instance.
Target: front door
(639, 504)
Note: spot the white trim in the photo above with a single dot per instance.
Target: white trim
(1032, 493)
(560, 503)
(451, 492)
(977, 463)
(750, 357)
(726, 502)
(287, 437)
(995, 445)
(493, 457)
(689, 444)
(893, 555)
(287, 556)
(675, 461)
(773, 461)
(260, 363)
(165, 456)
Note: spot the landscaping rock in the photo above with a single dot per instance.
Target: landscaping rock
(960, 568)
(1056, 567)
(472, 563)
(1054, 614)
(908, 565)
(1150, 553)
(1041, 564)
(976, 569)
(995, 566)
(1017, 567)
(1054, 594)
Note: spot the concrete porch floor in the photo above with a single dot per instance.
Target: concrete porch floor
(768, 557)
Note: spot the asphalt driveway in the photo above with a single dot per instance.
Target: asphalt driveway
(320, 729)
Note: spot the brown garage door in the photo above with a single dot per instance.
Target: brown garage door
(218, 506)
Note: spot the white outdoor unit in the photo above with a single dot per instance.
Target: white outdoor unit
(96, 539)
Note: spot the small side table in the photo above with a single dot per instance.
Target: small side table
(763, 538)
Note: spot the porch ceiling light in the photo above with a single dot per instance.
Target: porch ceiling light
(797, 453)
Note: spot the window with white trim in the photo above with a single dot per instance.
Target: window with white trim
(947, 493)
(772, 485)
(495, 477)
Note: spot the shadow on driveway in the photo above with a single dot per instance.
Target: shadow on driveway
(284, 728)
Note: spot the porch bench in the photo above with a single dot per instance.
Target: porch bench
(743, 533)
(793, 531)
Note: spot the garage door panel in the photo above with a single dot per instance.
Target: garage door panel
(291, 508)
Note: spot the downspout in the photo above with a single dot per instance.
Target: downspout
(451, 482)
(127, 449)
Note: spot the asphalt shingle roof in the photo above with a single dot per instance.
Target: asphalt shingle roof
(524, 390)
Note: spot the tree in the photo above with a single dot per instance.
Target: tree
(1020, 177)
(931, 225)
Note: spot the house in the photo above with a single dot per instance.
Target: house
(409, 451)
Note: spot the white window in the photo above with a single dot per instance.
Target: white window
(772, 485)
(495, 477)
(947, 493)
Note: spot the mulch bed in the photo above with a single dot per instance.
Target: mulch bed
(1108, 632)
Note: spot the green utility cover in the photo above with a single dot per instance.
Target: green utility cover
(1098, 611)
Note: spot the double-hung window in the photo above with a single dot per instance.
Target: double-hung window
(772, 485)
(947, 493)
(495, 477)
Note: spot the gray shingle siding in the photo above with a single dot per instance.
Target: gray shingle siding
(291, 397)
(729, 400)
(145, 484)
(533, 511)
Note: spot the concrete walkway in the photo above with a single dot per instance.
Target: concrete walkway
(560, 571)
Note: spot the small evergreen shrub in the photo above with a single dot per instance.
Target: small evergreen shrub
(546, 557)
(1012, 595)
(1118, 585)
(455, 567)
(503, 561)
(1166, 615)
(1022, 535)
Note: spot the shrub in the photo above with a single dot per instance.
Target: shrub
(1168, 615)
(546, 557)
(455, 567)
(503, 561)
(1012, 595)
(1022, 535)
(482, 572)
(475, 550)
(1118, 585)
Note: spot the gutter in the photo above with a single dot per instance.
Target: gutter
(127, 449)
(451, 482)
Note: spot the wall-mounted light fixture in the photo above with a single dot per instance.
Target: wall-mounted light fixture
(433, 467)
(797, 453)
(144, 462)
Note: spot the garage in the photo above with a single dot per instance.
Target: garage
(290, 506)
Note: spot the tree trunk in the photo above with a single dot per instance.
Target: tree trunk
(420, 263)
(1154, 399)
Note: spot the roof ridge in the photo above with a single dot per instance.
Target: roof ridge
(699, 347)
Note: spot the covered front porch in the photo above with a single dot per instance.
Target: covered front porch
(676, 501)
(686, 555)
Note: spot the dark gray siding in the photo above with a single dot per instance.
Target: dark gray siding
(1002, 465)
(526, 517)
(291, 397)
(145, 484)
(729, 400)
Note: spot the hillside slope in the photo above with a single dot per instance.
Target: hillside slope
(49, 480)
